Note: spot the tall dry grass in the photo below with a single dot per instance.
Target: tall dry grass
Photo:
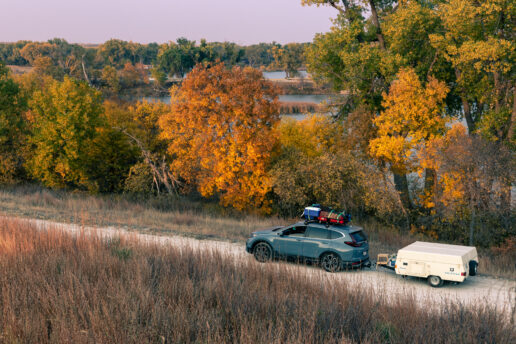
(55, 287)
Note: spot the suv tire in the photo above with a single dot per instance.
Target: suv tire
(262, 252)
(435, 281)
(331, 262)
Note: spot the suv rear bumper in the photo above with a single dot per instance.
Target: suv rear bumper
(357, 264)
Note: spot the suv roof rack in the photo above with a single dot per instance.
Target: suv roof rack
(326, 224)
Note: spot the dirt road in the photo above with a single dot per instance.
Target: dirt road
(385, 284)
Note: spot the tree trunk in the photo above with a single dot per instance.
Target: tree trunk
(401, 185)
(472, 225)
(84, 71)
(430, 182)
(376, 22)
(505, 197)
(512, 127)
(466, 108)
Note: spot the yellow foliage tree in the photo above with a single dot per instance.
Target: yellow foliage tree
(220, 133)
(65, 119)
(413, 115)
(313, 163)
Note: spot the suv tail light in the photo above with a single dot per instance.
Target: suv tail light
(463, 274)
(353, 243)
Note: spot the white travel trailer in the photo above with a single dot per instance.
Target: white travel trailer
(437, 262)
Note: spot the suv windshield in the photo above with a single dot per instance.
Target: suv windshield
(358, 236)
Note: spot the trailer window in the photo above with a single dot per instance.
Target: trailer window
(358, 236)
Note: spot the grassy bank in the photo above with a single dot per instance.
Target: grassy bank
(169, 216)
(59, 288)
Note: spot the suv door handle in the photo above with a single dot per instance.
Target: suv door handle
(298, 239)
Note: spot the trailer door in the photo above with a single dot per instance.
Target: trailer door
(416, 268)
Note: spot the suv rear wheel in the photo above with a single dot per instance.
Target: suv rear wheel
(262, 252)
(330, 262)
(435, 281)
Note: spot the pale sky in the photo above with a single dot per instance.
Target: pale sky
(95, 21)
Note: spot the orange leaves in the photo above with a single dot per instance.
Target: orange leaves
(219, 133)
(413, 115)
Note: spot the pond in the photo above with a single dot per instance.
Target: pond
(283, 75)
(308, 98)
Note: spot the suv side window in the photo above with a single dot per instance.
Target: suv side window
(335, 235)
(297, 231)
(318, 233)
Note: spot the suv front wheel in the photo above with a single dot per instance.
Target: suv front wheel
(330, 262)
(262, 252)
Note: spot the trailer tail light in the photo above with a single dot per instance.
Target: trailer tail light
(463, 274)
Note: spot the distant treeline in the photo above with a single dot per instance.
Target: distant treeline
(99, 64)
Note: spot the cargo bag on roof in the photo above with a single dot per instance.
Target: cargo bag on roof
(334, 216)
(312, 213)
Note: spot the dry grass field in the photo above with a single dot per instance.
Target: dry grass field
(55, 287)
(168, 216)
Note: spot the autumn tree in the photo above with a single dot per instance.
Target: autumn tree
(472, 172)
(133, 75)
(57, 57)
(478, 42)
(313, 164)
(467, 44)
(115, 52)
(414, 114)
(12, 127)
(66, 116)
(110, 77)
(139, 125)
(219, 133)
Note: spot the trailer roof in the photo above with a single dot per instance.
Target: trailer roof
(444, 249)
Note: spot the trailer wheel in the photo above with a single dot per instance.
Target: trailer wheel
(435, 281)
(473, 265)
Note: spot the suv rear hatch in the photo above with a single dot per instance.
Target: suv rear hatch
(359, 242)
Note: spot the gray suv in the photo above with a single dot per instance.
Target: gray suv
(334, 247)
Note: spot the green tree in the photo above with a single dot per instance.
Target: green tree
(66, 118)
(289, 57)
(12, 127)
(115, 52)
(178, 58)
